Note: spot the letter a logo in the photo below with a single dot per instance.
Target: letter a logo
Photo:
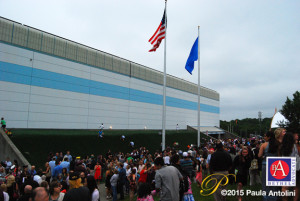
(279, 169)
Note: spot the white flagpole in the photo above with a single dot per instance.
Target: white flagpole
(164, 87)
(198, 142)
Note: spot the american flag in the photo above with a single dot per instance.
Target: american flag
(159, 34)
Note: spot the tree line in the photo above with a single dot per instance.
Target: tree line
(247, 126)
(244, 127)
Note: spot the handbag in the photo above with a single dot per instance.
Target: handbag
(16, 195)
(48, 174)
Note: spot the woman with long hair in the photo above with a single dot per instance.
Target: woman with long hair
(107, 183)
(132, 183)
(269, 148)
(279, 134)
(12, 188)
(54, 192)
(64, 174)
(98, 174)
(92, 186)
(289, 148)
(47, 172)
(242, 163)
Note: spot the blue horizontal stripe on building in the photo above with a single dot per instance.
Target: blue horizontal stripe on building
(41, 78)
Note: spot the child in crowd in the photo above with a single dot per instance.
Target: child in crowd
(144, 192)
(199, 172)
(188, 195)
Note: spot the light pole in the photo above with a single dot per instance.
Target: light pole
(259, 119)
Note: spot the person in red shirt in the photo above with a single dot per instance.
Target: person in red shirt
(143, 173)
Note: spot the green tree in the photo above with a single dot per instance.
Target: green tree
(247, 126)
(291, 111)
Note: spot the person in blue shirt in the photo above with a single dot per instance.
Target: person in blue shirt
(57, 170)
(32, 171)
(65, 164)
(122, 178)
(52, 164)
(69, 156)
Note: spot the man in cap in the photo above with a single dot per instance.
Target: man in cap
(187, 165)
(74, 180)
(78, 194)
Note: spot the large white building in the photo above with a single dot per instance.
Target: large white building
(50, 82)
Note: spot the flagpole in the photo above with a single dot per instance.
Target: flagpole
(164, 87)
(198, 142)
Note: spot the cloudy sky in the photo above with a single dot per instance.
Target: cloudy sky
(249, 50)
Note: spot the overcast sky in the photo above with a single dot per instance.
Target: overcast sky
(249, 50)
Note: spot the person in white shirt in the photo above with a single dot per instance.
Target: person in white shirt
(132, 144)
(101, 130)
(5, 194)
(167, 159)
(101, 127)
(8, 164)
(68, 155)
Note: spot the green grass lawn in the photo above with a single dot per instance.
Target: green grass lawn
(198, 197)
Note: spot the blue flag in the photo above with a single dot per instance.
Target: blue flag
(189, 66)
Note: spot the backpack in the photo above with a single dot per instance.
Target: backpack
(254, 163)
(184, 184)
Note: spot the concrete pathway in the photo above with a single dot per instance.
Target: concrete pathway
(102, 192)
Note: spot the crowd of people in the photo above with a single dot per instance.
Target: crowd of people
(168, 174)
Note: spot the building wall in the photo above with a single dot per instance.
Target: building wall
(43, 91)
(50, 82)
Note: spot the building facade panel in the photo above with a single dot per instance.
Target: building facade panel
(52, 82)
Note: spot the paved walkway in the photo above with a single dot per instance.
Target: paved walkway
(102, 191)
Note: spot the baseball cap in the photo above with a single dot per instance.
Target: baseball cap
(74, 176)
